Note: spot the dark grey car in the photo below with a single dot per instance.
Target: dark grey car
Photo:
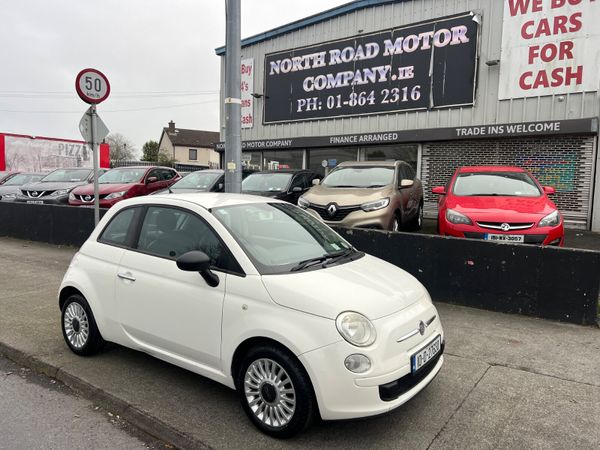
(10, 188)
(55, 187)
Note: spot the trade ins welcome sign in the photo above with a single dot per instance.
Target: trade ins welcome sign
(422, 66)
(549, 47)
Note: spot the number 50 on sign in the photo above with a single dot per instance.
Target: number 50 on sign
(92, 86)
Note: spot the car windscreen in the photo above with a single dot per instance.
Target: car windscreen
(22, 178)
(200, 180)
(266, 182)
(360, 177)
(66, 175)
(278, 236)
(487, 184)
(122, 176)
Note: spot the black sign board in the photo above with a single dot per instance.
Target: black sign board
(544, 128)
(422, 66)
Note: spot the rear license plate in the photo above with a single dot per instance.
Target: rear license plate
(423, 356)
(35, 202)
(505, 237)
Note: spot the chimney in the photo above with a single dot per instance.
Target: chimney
(171, 127)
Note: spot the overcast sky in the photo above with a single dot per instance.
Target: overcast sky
(157, 54)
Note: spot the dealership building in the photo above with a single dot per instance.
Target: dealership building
(439, 84)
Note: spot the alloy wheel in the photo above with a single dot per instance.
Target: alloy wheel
(270, 392)
(76, 324)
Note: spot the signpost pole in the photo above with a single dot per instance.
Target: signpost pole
(96, 156)
(233, 102)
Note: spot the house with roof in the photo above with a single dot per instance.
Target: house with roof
(191, 147)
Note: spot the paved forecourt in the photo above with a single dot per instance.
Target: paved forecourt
(508, 381)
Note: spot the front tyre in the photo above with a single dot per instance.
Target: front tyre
(275, 392)
(79, 327)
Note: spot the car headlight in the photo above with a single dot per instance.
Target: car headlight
(115, 195)
(374, 206)
(457, 218)
(303, 203)
(60, 192)
(9, 196)
(71, 196)
(551, 220)
(356, 328)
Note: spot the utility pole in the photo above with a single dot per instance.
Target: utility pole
(233, 102)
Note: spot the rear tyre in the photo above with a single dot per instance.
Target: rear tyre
(79, 327)
(275, 392)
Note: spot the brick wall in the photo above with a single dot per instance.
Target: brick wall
(563, 162)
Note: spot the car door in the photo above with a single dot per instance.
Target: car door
(154, 185)
(298, 181)
(166, 311)
(405, 194)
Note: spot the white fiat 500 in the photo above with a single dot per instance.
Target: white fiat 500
(258, 295)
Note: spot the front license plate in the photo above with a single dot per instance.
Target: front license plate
(423, 356)
(35, 202)
(505, 237)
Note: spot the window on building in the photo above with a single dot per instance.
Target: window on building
(403, 152)
(193, 154)
(283, 159)
(316, 156)
(252, 160)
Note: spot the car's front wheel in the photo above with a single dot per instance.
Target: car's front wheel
(275, 392)
(79, 327)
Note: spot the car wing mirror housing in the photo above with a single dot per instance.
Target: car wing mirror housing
(197, 261)
(549, 190)
(439, 190)
(316, 182)
(151, 180)
(406, 183)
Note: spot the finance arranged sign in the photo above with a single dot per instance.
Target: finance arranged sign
(549, 47)
(422, 66)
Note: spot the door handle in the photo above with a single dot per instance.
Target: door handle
(126, 276)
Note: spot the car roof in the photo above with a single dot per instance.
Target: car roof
(208, 200)
(282, 171)
(370, 163)
(490, 169)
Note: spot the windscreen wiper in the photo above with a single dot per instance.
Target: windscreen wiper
(319, 259)
(337, 257)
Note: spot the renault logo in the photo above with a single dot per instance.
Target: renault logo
(505, 227)
(332, 209)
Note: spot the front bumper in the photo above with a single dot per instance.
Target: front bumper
(389, 383)
(45, 200)
(554, 236)
(356, 217)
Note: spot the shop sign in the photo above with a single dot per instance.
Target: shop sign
(549, 47)
(423, 66)
(247, 89)
(544, 128)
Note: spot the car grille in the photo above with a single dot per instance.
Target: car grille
(340, 213)
(506, 226)
(36, 194)
(393, 390)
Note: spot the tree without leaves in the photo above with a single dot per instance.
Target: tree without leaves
(120, 147)
(150, 151)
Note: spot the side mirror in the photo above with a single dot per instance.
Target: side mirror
(151, 180)
(220, 187)
(316, 182)
(439, 190)
(297, 189)
(406, 183)
(197, 261)
(549, 190)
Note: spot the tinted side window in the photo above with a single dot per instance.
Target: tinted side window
(410, 173)
(299, 181)
(170, 232)
(167, 174)
(117, 229)
(154, 173)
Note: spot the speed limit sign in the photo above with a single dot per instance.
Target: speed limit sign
(92, 86)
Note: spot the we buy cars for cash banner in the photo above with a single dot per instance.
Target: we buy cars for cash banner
(549, 47)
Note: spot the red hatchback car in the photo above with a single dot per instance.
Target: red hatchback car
(501, 204)
(124, 182)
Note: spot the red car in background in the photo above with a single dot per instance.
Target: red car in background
(124, 182)
(501, 204)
